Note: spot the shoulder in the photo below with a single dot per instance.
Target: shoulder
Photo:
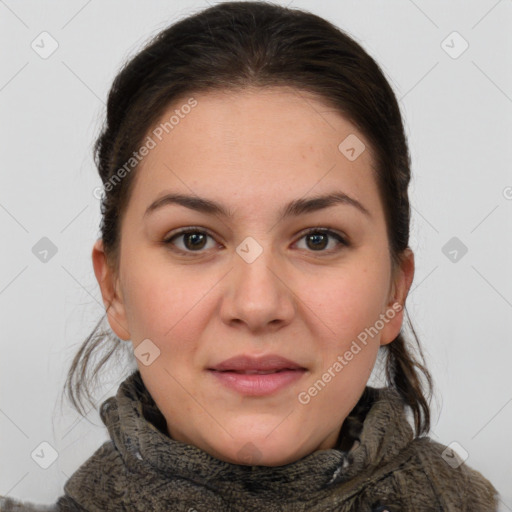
(63, 504)
(458, 486)
(105, 466)
(14, 505)
(104, 460)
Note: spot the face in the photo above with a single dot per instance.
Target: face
(264, 272)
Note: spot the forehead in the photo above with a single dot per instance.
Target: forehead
(252, 145)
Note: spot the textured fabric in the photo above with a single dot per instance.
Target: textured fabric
(142, 469)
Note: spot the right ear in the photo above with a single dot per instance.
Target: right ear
(114, 305)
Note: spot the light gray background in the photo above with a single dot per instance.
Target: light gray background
(457, 113)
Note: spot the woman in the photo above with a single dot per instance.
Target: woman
(254, 253)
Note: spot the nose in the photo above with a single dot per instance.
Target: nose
(258, 294)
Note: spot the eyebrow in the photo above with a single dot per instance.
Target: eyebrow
(294, 208)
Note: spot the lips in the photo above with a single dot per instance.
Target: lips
(257, 376)
(263, 365)
(255, 372)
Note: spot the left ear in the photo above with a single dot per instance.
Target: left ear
(394, 311)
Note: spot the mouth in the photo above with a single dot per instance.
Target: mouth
(253, 364)
(253, 376)
(258, 372)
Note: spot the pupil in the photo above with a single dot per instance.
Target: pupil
(316, 238)
(195, 237)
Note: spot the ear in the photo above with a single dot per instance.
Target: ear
(394, 311)
(112, 300)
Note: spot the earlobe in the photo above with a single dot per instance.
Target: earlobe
(394, 313)
(111, 298)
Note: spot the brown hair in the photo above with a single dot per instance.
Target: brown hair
(235, 45)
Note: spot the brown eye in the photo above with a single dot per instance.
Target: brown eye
(317, 240)
(192, 240)
(196, 240)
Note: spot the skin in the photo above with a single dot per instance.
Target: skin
(254, 151)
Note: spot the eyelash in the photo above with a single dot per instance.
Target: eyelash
(192, 229)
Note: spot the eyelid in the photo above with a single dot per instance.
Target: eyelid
(188, 229)
(326, 230)
(341, 238)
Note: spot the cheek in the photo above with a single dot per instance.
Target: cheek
(163, 305)
(351, 301)
(348, 351)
